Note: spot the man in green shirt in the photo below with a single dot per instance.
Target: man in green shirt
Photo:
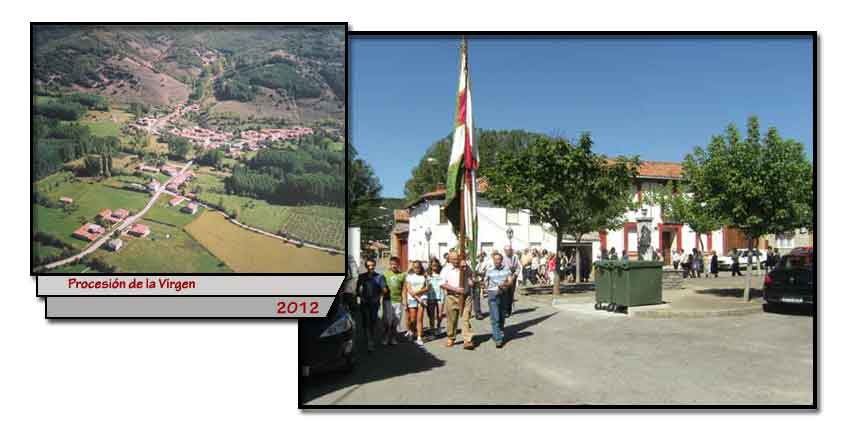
(392, 302)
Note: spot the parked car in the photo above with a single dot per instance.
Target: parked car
(326, 344)
(758, 255)
(792, 281)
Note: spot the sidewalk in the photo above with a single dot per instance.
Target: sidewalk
(700, 298)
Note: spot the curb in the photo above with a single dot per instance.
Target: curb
(669, 313)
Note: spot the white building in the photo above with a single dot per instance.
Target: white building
(426, 215)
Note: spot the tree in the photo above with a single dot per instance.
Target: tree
(567, 186)
(432, 170)
(679, 206)
(760, 186)
(363, 188)
(178, 146)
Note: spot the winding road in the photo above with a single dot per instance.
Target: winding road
(121, 226)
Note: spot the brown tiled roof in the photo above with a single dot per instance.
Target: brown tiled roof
(661, 169)
(401, 215)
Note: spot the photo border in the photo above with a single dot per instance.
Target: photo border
(813, 407)
(36, 275)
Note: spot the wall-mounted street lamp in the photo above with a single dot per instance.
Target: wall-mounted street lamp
(427, 234)
(510, 233)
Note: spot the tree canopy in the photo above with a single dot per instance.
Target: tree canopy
(363, 191)
(433, 167)
(565, 185)
(759, 185)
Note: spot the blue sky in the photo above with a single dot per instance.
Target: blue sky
(657, 98)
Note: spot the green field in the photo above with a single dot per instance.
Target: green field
(317, 224)
(41, 250)
(105, 123)
(161, 212)
(209, 181)
(166, 249)
(246, 251)
(89, 196)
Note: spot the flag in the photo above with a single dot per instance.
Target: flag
(463, 166)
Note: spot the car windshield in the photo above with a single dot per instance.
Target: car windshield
(796, 262)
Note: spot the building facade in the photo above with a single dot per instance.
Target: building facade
(430, 234)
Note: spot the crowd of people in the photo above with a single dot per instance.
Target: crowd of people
(449, 294)
(693, 263)
(439, 294)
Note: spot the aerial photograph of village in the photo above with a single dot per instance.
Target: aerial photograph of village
(188, 149)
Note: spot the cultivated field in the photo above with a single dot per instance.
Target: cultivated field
(317, 224)
(161, 212)
(166, 249)
(246, 251)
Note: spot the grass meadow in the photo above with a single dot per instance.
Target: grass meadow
(258, 253)
(318, 224)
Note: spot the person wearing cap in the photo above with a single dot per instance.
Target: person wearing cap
(512, 262)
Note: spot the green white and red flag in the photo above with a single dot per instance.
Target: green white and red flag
(463, 166)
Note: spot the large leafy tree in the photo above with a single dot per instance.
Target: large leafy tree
(759, 185)
(565, 185)
(363, 189)
(431, 171)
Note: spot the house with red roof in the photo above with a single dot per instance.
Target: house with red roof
(139, 230)
(88, 232)
(190, 208)
(176, 200)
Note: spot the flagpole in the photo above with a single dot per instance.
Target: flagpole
(463, 225)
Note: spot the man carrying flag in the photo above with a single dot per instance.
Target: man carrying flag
(461, 196)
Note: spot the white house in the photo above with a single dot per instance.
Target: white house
(429, 232)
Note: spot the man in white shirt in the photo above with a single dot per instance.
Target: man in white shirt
(451, 284)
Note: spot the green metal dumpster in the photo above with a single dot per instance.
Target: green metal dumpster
(638, 283)
(606, 271)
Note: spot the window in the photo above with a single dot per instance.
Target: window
(512, 216)
(442, 218)
(487, 248)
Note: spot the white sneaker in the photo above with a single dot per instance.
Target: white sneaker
(409, 335)
(419, 342)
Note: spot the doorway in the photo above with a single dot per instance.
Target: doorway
(667, 239)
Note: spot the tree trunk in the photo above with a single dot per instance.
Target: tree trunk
(556, 284)
(747, 290)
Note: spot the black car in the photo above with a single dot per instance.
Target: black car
(792, 282)
(327, 344)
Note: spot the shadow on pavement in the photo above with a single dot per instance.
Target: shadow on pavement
(565, 289)
(513, 331)
(385, 362)
(776, 308)
(520, 311)
(729, 292)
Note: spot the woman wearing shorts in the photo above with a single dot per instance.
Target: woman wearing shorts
(435, 297)
(416, 288)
